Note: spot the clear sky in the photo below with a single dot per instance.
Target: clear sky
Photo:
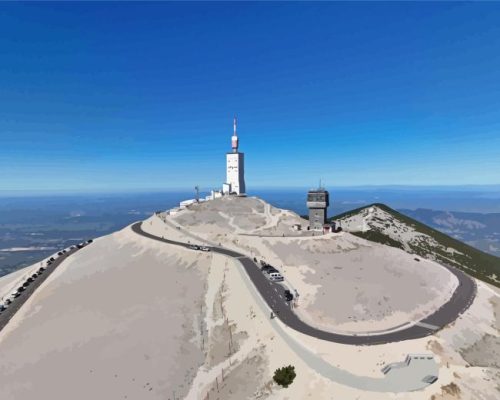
(105, 96)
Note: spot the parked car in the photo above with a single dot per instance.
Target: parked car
(31, 279)
(2, 308)
(79, 245)
(60, 253)
(7, 302)
(26, 284)
(89, 241)
(194, 247)
(52, 259)
(268, 269)
(288, 295)
(275, 276)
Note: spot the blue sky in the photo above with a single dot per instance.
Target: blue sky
(118, 96)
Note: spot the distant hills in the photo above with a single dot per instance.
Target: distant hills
(477, 229)
(382, 224)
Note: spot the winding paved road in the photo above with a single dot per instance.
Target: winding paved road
(273, 295)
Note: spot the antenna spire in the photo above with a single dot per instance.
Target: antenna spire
(234, 139)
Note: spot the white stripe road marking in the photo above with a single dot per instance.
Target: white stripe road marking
(428, 326)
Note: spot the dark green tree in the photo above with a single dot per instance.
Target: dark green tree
(284, 376)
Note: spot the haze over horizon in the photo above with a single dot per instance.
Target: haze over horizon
(492, 189)
(107, 97)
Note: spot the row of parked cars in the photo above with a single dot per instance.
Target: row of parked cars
(36, 274)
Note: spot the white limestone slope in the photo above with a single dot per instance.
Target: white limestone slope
(378, 287)
(238, 215)
(118, 319)
(303, 258)
(348, 284)
(129, 317)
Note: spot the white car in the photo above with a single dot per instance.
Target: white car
(275, 276)
(204, 248)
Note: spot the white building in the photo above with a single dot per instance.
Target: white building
(235, 168)
(214, 194)
(185, 203)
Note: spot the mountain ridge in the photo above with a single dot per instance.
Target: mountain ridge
(380, 223)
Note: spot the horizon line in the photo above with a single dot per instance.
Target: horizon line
(43, 192)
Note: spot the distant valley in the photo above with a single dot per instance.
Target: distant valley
(476, 229)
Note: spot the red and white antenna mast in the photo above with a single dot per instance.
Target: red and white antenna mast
(234, 139)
